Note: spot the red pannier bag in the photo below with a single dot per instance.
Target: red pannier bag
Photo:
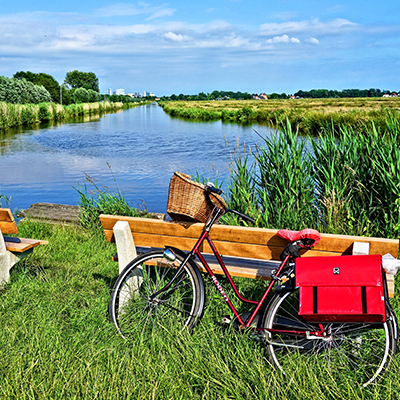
(341, 288)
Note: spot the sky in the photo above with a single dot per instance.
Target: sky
(190, 47)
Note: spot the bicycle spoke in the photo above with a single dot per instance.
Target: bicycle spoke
(357, 351)
(133, 308)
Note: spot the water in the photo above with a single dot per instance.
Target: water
(143, 146)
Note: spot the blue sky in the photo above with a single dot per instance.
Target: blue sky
(191, 47)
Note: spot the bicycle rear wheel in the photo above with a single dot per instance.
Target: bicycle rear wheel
(131, 307)
(356, 351)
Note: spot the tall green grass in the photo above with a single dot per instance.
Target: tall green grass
(56, 341)
(12, 115)
(345, 181)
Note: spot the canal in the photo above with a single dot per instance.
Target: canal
(138, 150)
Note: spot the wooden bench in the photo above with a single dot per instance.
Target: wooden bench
(12, 249)
(247, 252)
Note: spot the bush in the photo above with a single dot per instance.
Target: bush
(44, 114)
(21, 91)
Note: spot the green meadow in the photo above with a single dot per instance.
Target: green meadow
(307, 115)
(56, 341)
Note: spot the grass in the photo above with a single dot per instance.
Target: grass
(307, 115)
(56, 341)
(13, 115)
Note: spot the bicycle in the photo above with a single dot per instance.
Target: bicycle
(165, 286)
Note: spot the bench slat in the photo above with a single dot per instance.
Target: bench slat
(264, 242)
(339, 243)
(23, 244)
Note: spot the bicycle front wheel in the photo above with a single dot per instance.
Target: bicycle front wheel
(355, 351)
(132, 307)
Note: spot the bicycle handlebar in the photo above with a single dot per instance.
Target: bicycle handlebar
(213, 190)
(241, 215)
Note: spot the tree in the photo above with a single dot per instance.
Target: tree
(93, 96)
(28, 75)
(41, 79)
(77, 79)
(81, 95)
(50, 84)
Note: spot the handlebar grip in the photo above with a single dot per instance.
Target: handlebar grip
(213, 190)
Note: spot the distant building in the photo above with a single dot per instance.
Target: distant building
(109, 92)
(149, 94)
(261, 96)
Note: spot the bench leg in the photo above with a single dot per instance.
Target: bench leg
(7, 261)
(125, 245)
(5, 266)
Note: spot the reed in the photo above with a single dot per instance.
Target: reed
(345, 181)
(12, 115)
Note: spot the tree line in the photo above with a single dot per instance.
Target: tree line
(312, 94)
(215, 95)
(26, 87)
(346, 93)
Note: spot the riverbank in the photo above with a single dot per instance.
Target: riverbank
(13, 115)
(309, 116)
(63, 214)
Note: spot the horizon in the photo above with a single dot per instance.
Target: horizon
(179, 47)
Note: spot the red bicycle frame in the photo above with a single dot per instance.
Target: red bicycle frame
(205, 236)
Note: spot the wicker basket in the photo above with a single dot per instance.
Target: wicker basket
(188, 201)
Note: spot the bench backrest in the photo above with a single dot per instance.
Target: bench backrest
(237, 241)
(7, 222)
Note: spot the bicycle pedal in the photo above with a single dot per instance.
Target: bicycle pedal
(226, 320)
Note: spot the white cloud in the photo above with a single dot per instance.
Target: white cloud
(312, 41)
(335, 26)
(283, 39)
(176, 37)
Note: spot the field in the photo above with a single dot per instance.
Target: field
(308, 115)
(56, 341)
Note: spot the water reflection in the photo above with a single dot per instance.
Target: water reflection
(143, 145)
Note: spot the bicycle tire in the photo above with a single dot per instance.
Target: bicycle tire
(356, 351)
(131, 309)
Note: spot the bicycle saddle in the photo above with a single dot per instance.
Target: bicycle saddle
(310, 237)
